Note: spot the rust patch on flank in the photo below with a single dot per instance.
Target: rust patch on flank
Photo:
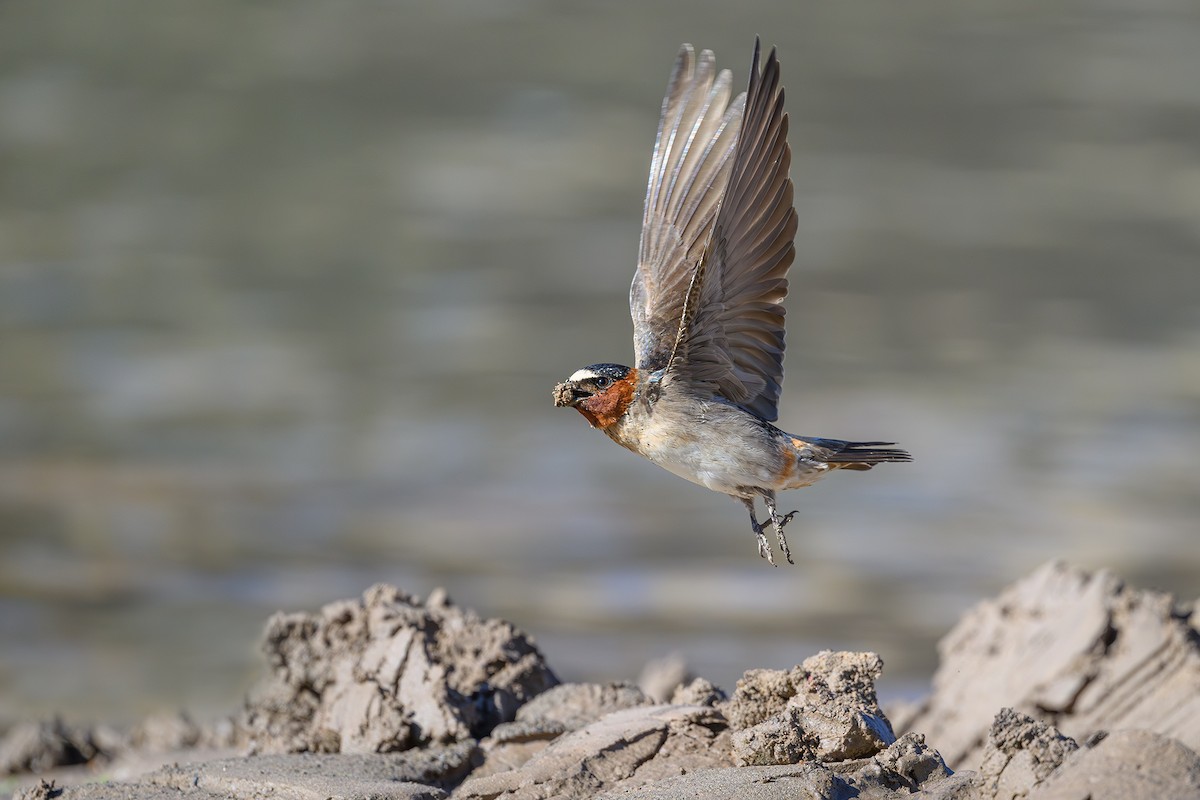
(789, 468)
(791, 460)
(606, 408)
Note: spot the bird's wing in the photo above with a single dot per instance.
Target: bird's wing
(693, 155)
(717, 237)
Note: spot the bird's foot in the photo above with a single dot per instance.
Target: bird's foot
(779, 521)
(783, 545)
(764, 548)
(779, 531)
(760, 529)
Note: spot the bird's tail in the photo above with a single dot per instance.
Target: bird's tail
(855, 455)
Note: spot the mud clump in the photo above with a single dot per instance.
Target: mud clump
(823, 710)
(41, 746)
(388, 673)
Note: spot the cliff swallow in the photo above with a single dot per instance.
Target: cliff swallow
(708, 327)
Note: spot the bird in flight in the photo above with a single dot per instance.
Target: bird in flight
(708, 327)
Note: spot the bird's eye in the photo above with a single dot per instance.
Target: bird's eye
(603, 383)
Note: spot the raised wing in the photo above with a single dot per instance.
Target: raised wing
(693, 155)
(724, 250)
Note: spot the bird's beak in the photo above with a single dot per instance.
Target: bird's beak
(568, 393)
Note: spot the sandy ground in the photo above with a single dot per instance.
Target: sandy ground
(1067, 685)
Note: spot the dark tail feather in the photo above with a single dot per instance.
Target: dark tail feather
(859, 455)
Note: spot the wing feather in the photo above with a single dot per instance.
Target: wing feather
(693, 157)
(724, 262)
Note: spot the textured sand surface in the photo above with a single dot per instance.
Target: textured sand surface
(1068, 685)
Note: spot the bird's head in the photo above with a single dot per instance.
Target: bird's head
(601, 392)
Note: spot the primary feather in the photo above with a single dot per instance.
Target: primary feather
(717, 236)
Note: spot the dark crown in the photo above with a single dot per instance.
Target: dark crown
(614, 371)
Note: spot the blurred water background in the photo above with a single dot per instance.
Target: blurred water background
(284, 288)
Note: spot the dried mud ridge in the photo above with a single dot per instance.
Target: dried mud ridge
(1068, 685)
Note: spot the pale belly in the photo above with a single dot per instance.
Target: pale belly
(729, 454)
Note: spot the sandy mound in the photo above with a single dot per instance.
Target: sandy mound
(388, 673)
(1069, 685)
(1079, 650)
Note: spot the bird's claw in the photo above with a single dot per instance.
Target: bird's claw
(783, 545)
(760, 530)
(764, 549)
(779, 521)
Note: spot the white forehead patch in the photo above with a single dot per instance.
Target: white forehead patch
(583, 374)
